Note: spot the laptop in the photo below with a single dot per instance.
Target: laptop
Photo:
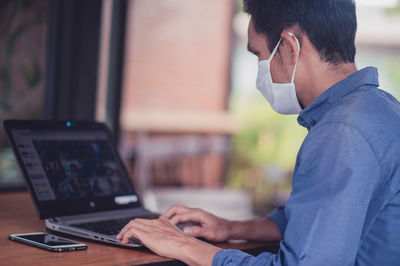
(76, 179)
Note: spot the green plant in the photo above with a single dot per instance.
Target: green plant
(266, 140)
(395, 9)
(392, 68)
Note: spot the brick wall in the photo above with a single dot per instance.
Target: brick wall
(177, 61)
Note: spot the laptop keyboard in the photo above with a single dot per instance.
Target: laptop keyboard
(111, 227)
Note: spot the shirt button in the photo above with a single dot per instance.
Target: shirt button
(302, 255)
(313, 123)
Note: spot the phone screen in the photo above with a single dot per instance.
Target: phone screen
(47, 239)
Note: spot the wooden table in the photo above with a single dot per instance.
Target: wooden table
(17, 215)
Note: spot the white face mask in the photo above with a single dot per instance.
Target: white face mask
(281, 96)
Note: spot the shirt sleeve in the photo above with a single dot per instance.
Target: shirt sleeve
(333, 183)
(279, 217)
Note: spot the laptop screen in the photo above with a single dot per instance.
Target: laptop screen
(72, 165)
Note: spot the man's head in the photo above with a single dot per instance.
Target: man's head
(330, 25)
(326, 31)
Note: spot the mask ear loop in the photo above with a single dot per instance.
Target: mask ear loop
(274, 51)
(297, 57)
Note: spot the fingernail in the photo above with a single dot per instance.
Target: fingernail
(187, 230)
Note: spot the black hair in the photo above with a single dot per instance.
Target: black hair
(330, 25)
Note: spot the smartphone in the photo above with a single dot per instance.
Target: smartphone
(47, 241)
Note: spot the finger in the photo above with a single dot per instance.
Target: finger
(133, 232)
(125, 229)
(165, 221)
(195, 231)
(129, 226)
(171, 211)
(174, 210)
(189, 216)
(138, 227)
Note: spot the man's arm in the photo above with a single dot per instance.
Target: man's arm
(262, 229)
(165, 239)
(216, 229)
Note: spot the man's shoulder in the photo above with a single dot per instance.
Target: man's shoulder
(370, 111)
(373, 114)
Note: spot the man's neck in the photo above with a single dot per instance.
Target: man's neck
(323, 77)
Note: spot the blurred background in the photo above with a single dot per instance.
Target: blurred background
(174, 81)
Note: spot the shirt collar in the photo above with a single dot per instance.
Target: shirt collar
(309, 116)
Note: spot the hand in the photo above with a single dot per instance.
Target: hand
(153, 232)
(165, 239)
(210, 226)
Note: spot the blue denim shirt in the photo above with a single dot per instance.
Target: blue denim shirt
(344, 208)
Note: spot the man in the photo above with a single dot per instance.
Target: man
(344, 208)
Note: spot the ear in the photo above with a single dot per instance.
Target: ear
(293, 43)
